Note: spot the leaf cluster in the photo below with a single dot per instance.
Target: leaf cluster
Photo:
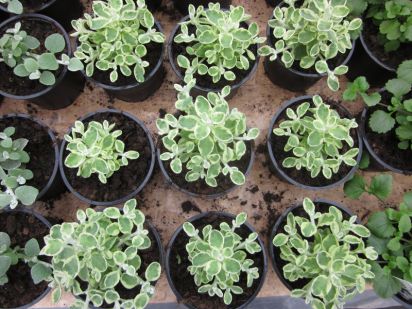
(13, 6)
(380, 186)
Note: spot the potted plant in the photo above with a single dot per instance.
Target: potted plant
(216, 260)
(43, 71)
(308, 40)
(319, 253)
(183, 5)
(216, 56)
(107, 157)
(121, 46)
(314, 145)
(208, 147)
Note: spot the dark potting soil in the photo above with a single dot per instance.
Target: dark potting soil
(127, 178)
(184, 282)
(303, 176)
(20, 290)
(31, 6)
(40, 148)
(22, 86)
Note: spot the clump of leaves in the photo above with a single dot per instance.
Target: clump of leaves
(13, 174)
(391, 237)
(313, 33)
(13, 6)
(329, 252)
(206, 137)
(380, 186)
(102, 250)
(97, 149)
(21, 52)
(114, 38)
(219, 256)
(219, 44)
(316, 136)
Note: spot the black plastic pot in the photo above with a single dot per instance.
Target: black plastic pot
(199, 90)
(180, 233)
(401, 300)
(128, 196)
(68, 84)
(276, 166)
(182, 5)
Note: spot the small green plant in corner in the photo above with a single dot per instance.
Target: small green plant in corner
(13, 6)
(316, 136)
(219, 257)
(114, 38)
(327, 251)
(312, 34)
(24, 54)
(13, 174)
(97, 149)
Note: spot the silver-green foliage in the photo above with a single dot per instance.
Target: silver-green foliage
(329, 252)
(113, 38)
(219, 256)
(13, 174)
(313, 33)
(219, 43)
(97, 149)
(21, 52)
(13, 6)
(102, 250)
(316, 136)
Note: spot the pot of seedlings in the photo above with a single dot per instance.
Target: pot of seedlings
(22, 271)
(318, 251)
(183, 5)
(29, 156)
(107, 157)
(391, 238)
(299, 53)
(216, 260)
(108, 259)
(206, 149)
(35, 61)
(313, 145)
(385, 41)
(124, 53)
(216, 56)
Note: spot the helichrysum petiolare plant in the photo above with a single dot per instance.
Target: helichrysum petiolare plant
(13, 174)
(312, 34)
(114, 38)
(206, 137)
(97, 149)
(316, 137)
(219, 44)
(219, 257)
(13, 6)
(102, 250)
(22, 52)
(327, 251)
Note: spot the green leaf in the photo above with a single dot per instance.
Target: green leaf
(40, 272)
(404, 224)
(384, 284)
(405, 71)
(5, 263)
(381, 122)
(55, 43)
(381, 186)
(280, 240)
(355, 187)
(152, 272)
(111, 279)
(26, 195)
(380, 225)
(32, 248)
(398, 87)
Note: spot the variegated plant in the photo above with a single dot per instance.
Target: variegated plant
(13, 6)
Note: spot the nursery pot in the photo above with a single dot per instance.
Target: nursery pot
(127, 88)
(174, 49)
(68, 84)
(43, 149)
(125, 183)
(302, 179)
(26, 294)
(182, 283)
(182, 5)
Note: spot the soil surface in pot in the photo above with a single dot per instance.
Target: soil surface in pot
(22, 86)
(20, 290)
(128, 178)
(40, 148)
(303, 176)
(184, 282)
(30, 6)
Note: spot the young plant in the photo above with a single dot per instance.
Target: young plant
(219, 43)
(206, 137)
(380, 186)
(114, 38)
(97, 149)
(13, 6)
(219, 257)
(13, 174)
(327, 251)
(316, 136)
(312, 33)
(98, 255)
(23, 53)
